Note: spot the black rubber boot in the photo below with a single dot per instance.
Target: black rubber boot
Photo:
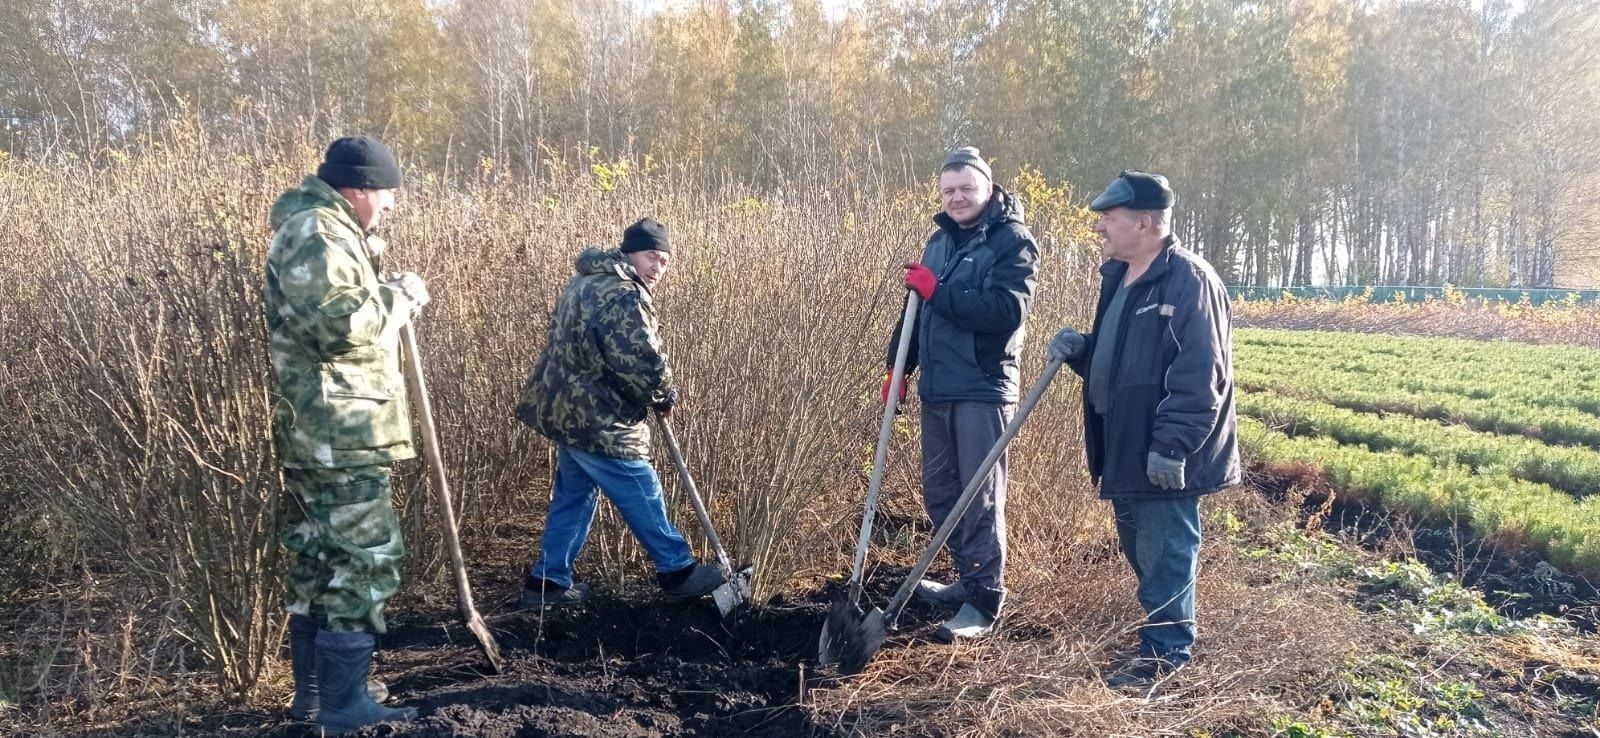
(343, 661)
(303, 663)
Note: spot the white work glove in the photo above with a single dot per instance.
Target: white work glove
(413, 287)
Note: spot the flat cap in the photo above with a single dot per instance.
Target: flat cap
(1135, 190)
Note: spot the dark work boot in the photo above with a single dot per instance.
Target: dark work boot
(696, 580)
(537, 593)
(343, 661)
(303, 663)
(303, 660)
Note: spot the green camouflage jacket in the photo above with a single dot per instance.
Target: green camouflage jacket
(602, 366)
(335, 338)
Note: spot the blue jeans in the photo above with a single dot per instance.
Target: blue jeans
(1161, 538)
(631, 485)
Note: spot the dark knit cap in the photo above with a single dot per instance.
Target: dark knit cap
(645, 235)
(361, 162)
(966, 156)
(1136, 191)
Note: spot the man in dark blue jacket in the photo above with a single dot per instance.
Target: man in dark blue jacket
(976, 280)
(1158, 418)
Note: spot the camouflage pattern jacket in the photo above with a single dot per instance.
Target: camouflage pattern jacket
(335, 338)
(602, 366)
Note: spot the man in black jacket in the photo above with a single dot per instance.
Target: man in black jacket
(976, 280)
(1158, 417)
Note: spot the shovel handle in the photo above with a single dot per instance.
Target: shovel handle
(441, 490)
(694, 496)
(892, 612)
(430, 450)
(897, 378)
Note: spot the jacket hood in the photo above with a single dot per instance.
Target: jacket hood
(597, 261)
(312, 193)
(594, 260)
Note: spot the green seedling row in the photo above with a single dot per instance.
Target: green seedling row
(1370, 393)
(1462, 373)
(1572, 469)
(1511, 511)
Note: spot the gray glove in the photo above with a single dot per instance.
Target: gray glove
(415, 289)
(1067, 345)
(1164, 472)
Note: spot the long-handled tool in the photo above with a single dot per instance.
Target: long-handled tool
(735, 589)
(441, 490)
(865, 641)
(844, 624)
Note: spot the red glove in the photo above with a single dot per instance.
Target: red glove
(921, 279)
(888, 378)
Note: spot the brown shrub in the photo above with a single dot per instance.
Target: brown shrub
(134, 374)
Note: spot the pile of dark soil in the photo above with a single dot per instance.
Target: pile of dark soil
(617, 667)
(624, 665)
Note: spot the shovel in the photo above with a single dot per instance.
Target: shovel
(844, 627)
(441, 490)
(735, 589)
(869, 631)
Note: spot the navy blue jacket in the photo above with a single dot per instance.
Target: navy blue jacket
(968, 338)
(1172, 387)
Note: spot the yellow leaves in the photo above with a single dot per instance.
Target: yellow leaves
(1053, 207)
(607, 175)
(752, 204)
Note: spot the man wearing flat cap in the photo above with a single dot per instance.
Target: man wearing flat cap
(976, 280)
(602, 371)
(1158, 415)
(340, 420)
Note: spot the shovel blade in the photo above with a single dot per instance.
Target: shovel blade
(486, 642)
(850, 636)
(727, 599)
(734, 593)
(842, 618)
(863, 642)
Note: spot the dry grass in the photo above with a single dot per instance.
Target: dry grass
(1272, 644)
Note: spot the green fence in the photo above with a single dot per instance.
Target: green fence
(1390, 293)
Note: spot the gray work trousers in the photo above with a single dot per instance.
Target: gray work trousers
(956, 436)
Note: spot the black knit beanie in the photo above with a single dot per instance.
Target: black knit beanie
(967, 156)
(645, 235)
(361, 162)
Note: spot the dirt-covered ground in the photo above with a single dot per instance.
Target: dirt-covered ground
(628, 665)
(624, 665)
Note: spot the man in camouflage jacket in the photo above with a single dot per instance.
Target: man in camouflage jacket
(602, 371)
(340, 420)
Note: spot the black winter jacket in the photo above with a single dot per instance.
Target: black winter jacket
(1172, 390)
(968, 339)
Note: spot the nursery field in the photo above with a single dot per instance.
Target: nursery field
(1497, 437)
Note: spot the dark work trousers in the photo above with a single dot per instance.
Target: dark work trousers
(956, 436)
